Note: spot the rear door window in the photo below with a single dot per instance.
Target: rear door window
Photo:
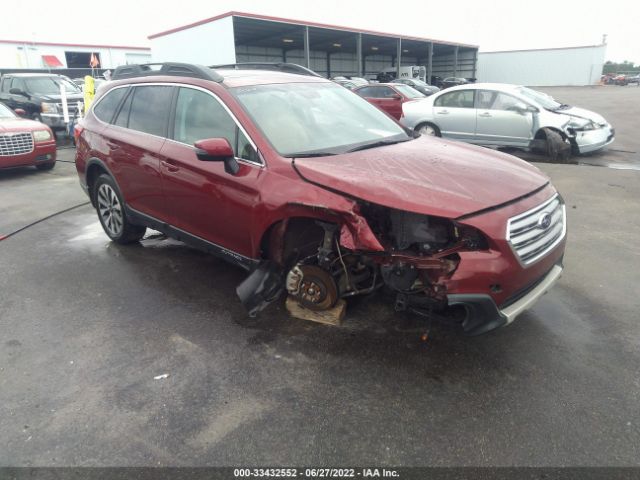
(150, 109)
(458, 99)
(107, 106)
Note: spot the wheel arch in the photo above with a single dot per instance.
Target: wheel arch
(94, 168)
(431, 123)
(296, 232)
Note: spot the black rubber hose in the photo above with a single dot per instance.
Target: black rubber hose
(4, 237)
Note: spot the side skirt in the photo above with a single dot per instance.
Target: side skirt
(230, 256)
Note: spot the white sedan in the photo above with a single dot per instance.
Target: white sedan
(500, 114)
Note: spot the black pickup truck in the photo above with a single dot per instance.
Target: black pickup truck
(38, 94)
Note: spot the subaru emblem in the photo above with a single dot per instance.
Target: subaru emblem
(544, 221)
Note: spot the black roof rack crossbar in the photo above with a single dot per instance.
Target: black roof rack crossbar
(171, 69)
(275, 66)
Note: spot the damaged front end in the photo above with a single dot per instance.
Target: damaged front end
(361, 251)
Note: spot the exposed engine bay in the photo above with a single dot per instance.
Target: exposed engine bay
(419, 252)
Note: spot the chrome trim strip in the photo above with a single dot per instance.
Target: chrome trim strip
(183, 85)
(515, 309)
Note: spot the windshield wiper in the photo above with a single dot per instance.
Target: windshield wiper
(381, 143)
(311, 154)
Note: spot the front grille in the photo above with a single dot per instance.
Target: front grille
(72, 105)
(15, 144)
(534, 233)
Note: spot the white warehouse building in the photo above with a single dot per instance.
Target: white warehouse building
(15, 54)
(330, 50)
(543, 67)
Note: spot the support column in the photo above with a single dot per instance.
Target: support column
(399, 58)
(455, 62)
(328, 65)
(307, 55)
(430, 63)
(475, 63)
(359, 59)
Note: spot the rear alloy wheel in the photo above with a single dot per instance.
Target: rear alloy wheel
(428, 129)
(111, 212)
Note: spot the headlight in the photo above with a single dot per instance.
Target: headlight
(49, 107)
(581, 124)
(41, 135)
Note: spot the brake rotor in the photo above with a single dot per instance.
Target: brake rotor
(318, 290)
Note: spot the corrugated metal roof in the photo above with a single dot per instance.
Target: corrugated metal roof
(267, 18)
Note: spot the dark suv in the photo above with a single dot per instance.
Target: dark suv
(38, 94)
(315, 191)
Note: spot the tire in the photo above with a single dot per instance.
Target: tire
(111, 213)
(428, 129)
(43, 167)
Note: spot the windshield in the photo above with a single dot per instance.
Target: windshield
(50, 85)
(542, 99)
(6, 112)
(409, 92)
(303, 118)
(419, 82)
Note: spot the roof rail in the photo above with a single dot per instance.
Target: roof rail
(172, 69)
(275, 66)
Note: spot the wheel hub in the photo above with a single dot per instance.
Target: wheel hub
(317, 289)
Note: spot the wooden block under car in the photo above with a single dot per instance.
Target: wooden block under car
(332, 316)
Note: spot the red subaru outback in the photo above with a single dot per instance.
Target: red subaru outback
(315, 191)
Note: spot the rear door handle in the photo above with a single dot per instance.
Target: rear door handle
(442, 112)
(170, 168)
(485, 114)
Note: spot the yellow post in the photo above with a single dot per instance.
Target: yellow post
(89, 91)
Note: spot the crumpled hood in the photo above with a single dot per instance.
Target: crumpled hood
(582, 113)
(19, 125)
(430, 176)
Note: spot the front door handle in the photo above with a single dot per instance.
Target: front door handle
(170, 168)
(442, 112)
(485, 114)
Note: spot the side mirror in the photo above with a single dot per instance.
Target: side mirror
(16, 91)
(217, 150)
(20, 112)
(522, 108)
(396, 97)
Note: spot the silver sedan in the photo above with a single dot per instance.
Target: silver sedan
(499, 114)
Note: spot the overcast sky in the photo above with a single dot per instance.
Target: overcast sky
(493, 24)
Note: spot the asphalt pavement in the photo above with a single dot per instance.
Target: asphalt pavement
(88, 325)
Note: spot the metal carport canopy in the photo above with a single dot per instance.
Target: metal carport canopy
(289, 34)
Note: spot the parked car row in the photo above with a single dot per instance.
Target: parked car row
(494, 115)
(620, 79)
(352, 82)
(319, 194)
